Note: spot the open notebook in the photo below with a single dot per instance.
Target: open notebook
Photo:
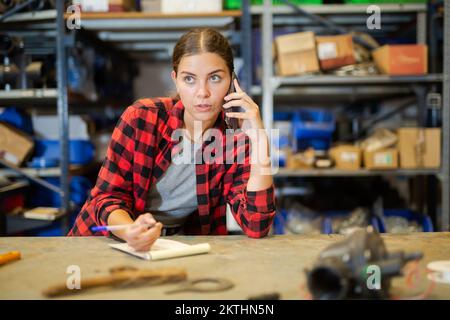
(165, 249)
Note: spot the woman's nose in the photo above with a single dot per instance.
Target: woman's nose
(203, 90)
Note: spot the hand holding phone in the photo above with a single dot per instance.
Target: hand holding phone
(232, 123)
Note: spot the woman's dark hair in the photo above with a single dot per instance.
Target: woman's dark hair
(201, 40)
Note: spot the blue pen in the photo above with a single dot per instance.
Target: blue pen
(116, 227)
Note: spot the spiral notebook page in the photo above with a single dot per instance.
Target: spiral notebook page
(164, 249)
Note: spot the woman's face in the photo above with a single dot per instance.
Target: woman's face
(202, 82)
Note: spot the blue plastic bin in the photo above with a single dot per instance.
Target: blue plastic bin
(310, 128)
(313, 128)
(79, 191)
(279, 222)
(47, 153)
(422, 219)
(18, 119)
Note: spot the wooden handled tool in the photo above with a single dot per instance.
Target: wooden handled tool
(121, 276)
(9, 257)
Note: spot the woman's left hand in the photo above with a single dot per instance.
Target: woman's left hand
(251, 118)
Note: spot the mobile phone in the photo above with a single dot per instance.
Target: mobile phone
(232, 123)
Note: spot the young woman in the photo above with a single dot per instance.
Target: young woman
(142, 181)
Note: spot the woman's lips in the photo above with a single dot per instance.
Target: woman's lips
(203, 107)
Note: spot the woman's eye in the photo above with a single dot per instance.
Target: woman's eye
(215, 78)
(189, 79)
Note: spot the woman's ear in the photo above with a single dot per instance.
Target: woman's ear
(173, 74)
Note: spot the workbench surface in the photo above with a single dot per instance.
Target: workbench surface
(256, 266)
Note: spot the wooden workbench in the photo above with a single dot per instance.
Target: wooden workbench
(256, 266)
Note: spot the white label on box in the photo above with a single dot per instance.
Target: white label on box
(382, 159)
(327, 50)
(11, 158)
(93, 5)
(349, 156)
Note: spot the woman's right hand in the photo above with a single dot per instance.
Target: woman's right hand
(139, 236)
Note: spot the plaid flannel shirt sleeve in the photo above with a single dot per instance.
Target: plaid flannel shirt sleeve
(114, 186)
(253, 210)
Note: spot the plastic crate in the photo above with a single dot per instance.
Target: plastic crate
(232, 4)
(310, 128)
(329, 216)
(47, 153)
(79, 191)
(18, 119)
(383, 1)
(422, 219)
(279, 2)
(313, 128)
(279, 222)
(236, 4)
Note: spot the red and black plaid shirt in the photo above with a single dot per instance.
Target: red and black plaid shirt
(140, 152)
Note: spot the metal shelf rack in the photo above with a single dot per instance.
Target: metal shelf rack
(52, 23)
(284, 86)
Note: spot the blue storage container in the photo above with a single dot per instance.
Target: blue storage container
(423, 220)
(18, 119)
(330, 216)
(310, 128)
(313, 128)
(79, 191)
(279, 221)
(47, 153)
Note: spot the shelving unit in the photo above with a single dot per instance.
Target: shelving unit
(50, 26)
(152, 36)
(133, 36)
(356, 87)
(284, 172)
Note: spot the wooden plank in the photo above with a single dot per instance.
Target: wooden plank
(255, 266)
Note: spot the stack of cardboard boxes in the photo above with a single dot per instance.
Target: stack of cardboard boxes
(409, 148)
(303, 52)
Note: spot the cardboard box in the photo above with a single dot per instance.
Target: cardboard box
(402, 59)
(380, 139)
(105, 5)
(301, 160)
(419, 147)
(296, 54)
(181, 6)
(381, 159)
(122, 5)
(335, 51)
(346, 157)
(15, 146)
(151, 5)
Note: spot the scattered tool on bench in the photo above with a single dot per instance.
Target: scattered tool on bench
(9, 257)
(343, 269)
(122, 277)
(204, 285)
